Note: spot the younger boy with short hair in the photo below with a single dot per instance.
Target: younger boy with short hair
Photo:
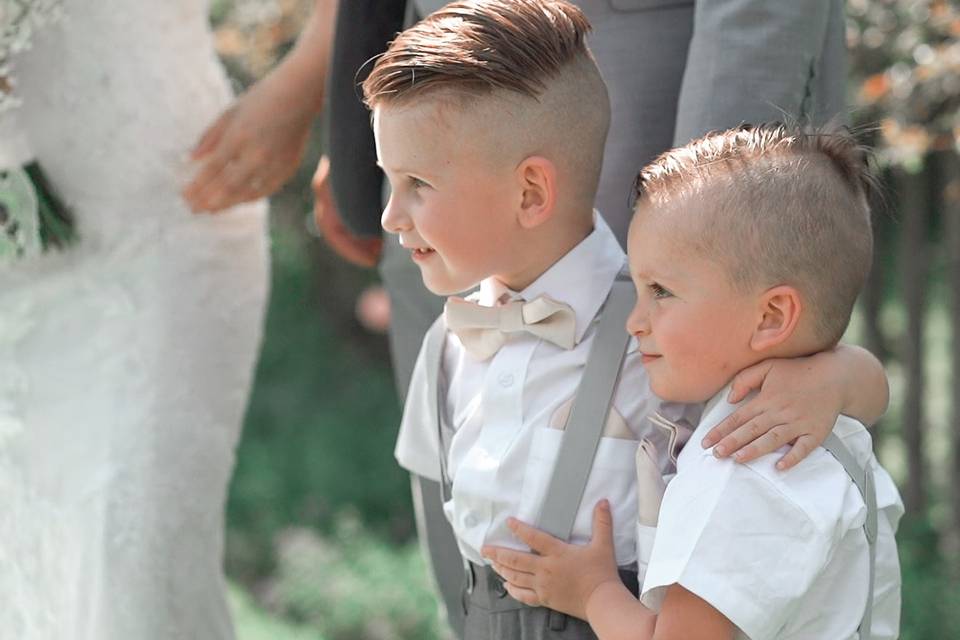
(746, 245)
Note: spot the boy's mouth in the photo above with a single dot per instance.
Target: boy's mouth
(421, 254)
(647, 358)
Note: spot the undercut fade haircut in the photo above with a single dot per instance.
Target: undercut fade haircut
(774, 205)
(477, 46)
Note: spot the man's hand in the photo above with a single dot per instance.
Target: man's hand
(364, 252)
(558, 575)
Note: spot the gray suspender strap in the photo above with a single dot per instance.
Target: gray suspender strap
(433, 344)
(588, 414)
(863, 478)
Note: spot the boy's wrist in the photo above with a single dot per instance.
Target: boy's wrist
(601, 596)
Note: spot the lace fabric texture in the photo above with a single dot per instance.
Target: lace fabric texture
(125, 362)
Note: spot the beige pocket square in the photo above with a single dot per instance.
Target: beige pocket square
(650, 484)
(616, 426)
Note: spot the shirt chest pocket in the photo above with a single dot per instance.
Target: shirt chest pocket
(612, 476)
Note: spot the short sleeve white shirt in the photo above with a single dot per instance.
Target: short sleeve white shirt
(782, 554)
(507, 414)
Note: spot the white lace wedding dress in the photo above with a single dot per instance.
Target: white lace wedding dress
(125, 363)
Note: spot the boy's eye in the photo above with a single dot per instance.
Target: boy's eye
(417, 183)
(658, 291)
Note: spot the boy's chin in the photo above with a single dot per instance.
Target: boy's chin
(447, 288)
(680, 393)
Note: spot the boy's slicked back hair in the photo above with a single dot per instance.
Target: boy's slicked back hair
(477, 46)
(776, 205)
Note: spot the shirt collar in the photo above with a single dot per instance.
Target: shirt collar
(717, 407)
(582, 278)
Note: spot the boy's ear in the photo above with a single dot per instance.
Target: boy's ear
(780, 308)
(537, 177)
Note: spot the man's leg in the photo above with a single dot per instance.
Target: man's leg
(412, 310)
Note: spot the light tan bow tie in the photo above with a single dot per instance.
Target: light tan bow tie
(483, 330)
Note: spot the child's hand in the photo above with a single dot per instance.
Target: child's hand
(798, 402)
(563, 576)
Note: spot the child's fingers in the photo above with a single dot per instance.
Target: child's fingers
(738, 442)
(526, 596)
(602, 524)
(803, 446)
(518, 578)
(728, 425)
(511, 558)
(537, 540)
(768, 442)
(747, 380)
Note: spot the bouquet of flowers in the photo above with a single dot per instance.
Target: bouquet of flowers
(32, 217)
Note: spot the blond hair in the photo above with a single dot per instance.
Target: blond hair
(478, 46)
(774, 205)
(521, 73)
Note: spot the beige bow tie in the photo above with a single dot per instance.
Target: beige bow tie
(482, 330)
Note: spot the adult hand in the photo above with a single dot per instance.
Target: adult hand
(255, 146)
(364, 252)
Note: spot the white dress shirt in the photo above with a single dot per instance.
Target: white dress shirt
(507, 414)
(782, 554)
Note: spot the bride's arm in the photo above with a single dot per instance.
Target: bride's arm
(256, 145)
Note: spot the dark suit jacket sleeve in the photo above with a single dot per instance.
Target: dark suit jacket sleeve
(364, 27)
(761, 60)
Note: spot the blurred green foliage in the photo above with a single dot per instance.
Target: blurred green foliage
(320, 427)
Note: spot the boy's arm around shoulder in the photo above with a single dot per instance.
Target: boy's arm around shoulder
(798, 402)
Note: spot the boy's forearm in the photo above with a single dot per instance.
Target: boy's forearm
(615, 614)
(863, 382)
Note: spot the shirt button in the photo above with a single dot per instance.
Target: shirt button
(470, 521)
(505, 380)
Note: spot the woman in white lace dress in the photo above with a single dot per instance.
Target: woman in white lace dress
(125, 362)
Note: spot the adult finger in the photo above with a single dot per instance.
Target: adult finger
(363, 252)
(730, 424)
(206, 181)
(747, 380)
(210, 137)
(245, 177)
(319, 182)
(539, 541)
(241, 177)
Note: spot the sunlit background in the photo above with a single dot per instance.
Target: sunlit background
(320, 530)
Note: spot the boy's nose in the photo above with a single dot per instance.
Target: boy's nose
(393, 219)
(638, 323)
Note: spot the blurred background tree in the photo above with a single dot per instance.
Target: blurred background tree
(320, 529)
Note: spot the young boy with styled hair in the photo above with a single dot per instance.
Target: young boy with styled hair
(761, 236)
(490, 119)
